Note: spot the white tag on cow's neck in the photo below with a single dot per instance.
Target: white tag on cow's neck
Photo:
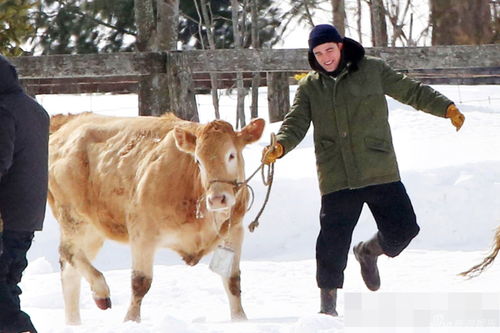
(222, 261)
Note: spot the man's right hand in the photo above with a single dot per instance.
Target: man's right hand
(271, 153)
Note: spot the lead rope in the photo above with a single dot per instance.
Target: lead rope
(267, 180)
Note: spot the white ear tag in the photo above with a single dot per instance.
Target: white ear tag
(222, 261)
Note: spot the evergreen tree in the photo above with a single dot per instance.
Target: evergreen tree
(15, 27)
(220, 14)
(84, 26)
(91, 26)
(304, 11)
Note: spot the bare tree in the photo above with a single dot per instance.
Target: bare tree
(240, 105)
(461, 22)
(146, 25)
(255, 44)
(308, 13)
(378, 24)
(358, 21)
(146, 41)
(158, 32)
(397, 18)
(168, 22)
(339, 16)
(495, 8)
(209, 24)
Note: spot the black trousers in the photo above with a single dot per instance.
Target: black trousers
(12, 264)
(396, 222)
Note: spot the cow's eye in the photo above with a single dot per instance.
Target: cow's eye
(231, 156)
(197, 161)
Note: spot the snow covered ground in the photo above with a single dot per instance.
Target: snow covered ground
(452, 178)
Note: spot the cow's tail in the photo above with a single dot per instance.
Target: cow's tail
(59, 120)
(487, 261)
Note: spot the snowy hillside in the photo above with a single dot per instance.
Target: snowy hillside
(452, 178)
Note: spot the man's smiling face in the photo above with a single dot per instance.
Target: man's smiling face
(328, 55)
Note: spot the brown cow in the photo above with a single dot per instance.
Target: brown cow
(150, 182)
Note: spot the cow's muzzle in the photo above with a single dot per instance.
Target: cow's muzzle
(220, 196)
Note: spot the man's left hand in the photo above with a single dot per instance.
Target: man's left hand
(456, 117)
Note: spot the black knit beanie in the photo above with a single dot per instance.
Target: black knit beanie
(323, 33)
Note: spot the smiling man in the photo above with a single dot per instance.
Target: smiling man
(344, 98)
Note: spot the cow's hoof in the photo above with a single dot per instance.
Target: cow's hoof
(103, 303)
(133, 317)
(73, 322)
(239, 317)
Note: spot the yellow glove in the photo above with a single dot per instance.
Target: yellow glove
(271, 153)
(456, 117)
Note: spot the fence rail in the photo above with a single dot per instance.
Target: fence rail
(245, 60)
(187, 72)
(129, 84)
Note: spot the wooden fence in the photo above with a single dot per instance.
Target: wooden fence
(166, 80)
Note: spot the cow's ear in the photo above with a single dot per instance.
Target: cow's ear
(253, 131)
(185, 140)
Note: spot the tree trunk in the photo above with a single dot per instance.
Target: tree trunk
(338, 7)
(254, 113)
(379, 27)
(278, 95)
(496, 22)
(211, 42)
(461, 22)
(146, 27)
(177, 84)
(240, 106)
(181, 88)
(159, 33)
(168, 19)
(146, 35)
(358, 21)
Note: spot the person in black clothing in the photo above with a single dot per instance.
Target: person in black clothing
(24, 136)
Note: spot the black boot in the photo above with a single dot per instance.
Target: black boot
(367, 253)
(329, 302)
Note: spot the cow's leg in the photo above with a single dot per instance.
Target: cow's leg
(232, 284)
(71, 280)
(143, 251)
(76, 252)
(100, 290)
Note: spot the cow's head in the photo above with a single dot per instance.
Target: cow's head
(217, 151)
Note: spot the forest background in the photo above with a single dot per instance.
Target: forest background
(45, 27)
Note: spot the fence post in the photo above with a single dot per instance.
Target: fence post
(181, 87)
(153, 95)
(278, 95)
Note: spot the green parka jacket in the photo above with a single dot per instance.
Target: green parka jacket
(352, 137)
